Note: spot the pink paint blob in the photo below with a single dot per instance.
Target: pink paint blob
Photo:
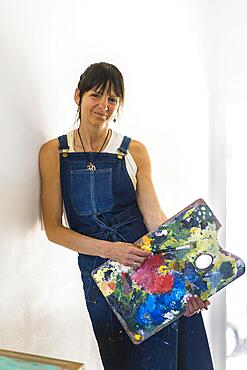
(149, 278)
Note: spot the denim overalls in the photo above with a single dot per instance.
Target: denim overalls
(102, 204)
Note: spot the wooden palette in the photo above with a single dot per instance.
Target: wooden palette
(186, 259)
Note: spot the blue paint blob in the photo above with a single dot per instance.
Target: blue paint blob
(226, 270)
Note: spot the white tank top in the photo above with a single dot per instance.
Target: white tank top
(112, 147)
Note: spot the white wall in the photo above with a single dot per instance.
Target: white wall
(164, 50)
(227, 84)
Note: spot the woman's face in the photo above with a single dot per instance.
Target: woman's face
(98, 107)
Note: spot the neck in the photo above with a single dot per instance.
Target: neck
(92, 137)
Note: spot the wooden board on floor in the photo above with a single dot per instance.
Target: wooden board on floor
(11, 360)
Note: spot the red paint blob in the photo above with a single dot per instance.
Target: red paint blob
(149, 278)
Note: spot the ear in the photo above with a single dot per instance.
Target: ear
(77, 96)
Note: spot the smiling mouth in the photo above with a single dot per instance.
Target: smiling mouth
(100, 114)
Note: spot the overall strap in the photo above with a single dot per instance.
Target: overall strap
(124, 145)
(63, 145)
(63, 142)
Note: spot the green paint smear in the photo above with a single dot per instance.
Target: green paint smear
(7, 363)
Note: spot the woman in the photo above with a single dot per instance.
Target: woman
(103, 180)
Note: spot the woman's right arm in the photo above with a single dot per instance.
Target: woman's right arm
(52, 208)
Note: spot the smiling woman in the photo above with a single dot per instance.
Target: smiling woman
(102, 182)
(103, 85)
(97, 104)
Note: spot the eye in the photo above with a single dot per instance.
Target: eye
(96, 95)
(113, 100)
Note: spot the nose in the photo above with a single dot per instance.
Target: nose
(104, 102)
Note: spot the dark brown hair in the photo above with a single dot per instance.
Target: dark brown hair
(98, 75)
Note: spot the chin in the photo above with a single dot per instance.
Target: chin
(100, 123)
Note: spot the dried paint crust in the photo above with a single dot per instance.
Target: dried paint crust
(147, 300)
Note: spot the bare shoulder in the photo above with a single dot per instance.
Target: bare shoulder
(136, 146)
(139, 153)
(49, 150)
(50, 147)
(49, 155)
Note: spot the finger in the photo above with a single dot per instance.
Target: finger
(138, 259)
(189, 306)
(191, 309)
(199, 302)
(187, 312)
(140, 252)
(206, 304)
(192, 303)
(135, 265)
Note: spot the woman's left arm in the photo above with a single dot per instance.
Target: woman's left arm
(147, 199)
(153, 216)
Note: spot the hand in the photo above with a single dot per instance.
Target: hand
(195, 305)
(128, 254)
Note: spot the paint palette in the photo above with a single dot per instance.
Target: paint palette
(186, 259)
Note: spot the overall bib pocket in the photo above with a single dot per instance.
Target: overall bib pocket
(91, 191)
